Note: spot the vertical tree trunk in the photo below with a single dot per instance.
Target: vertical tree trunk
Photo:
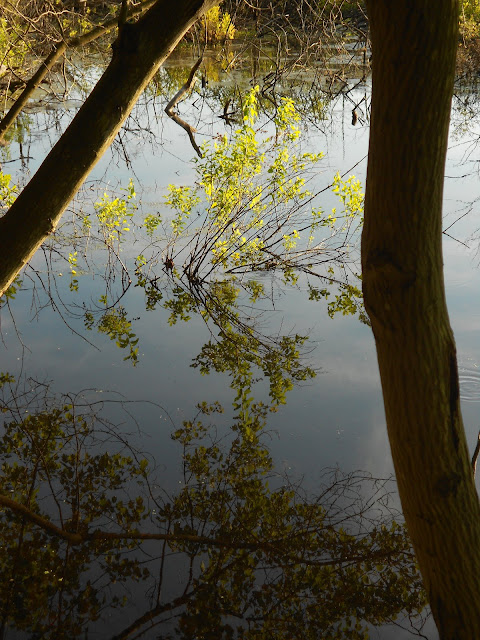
(138, 52)
(414, 44)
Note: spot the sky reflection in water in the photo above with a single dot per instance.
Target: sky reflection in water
(334, 419)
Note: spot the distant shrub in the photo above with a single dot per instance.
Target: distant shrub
(470, 19)
(218, 25)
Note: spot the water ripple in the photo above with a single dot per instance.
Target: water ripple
(469, 383)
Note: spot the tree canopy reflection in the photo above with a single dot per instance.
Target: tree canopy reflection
(87, 525)
(239, 550)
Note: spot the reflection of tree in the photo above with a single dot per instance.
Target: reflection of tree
(237, 346)
(249, 219)
(262, 558)
(51, 464)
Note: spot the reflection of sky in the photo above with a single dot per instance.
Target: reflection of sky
(336, 418)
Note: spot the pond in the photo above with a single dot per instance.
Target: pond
(110, 333)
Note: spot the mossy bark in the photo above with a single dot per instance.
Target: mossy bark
(414, 45)
(137, 54)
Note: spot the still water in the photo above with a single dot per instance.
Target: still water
(332, 420)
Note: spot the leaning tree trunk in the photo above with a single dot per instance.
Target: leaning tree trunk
(137, 54)
(413, 46)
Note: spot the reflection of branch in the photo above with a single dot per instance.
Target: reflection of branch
(475, 455)
(75, 538)
(176, 98)
(226, 115)
(43, 523)
(150, 615)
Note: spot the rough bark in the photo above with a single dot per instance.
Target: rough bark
(413, 45)
(137, 54)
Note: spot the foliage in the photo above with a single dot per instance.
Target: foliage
(255, 209)
(217, 25)
(8, 191)
(255, 215)
(12, 49)
(8, 194)
(348, 301)
(72, 261)
(470, 19)
(112, 215)
(76, 23)
(151, 223)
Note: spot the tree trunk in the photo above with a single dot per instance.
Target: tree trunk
(137, 54)
(413, 46)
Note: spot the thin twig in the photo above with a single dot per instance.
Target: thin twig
(475, 455)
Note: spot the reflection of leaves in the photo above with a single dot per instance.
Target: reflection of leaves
(114, 324)
(45, 587)
(153, 295)
(237, 353)
(12, 291)
(265, 559)
(349, 301)
(180, 304)
(239, 349)
(289, 564)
